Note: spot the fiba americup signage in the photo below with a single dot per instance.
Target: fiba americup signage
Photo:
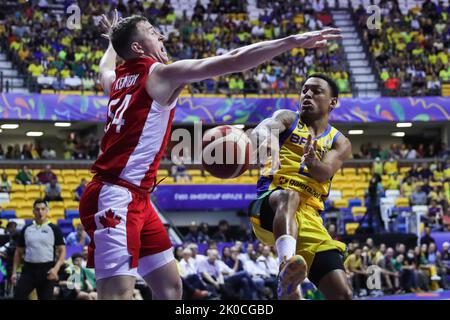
(204, 197)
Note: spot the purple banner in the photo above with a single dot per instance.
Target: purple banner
(204, 197)
(223, 110)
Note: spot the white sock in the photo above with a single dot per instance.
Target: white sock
(286, 246)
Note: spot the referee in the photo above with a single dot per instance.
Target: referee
(39, 243)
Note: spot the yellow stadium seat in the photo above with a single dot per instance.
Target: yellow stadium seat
(361, 185)
(17, 196)
(350, 228)
(56, 204)
(402, 202)
(348, 193)
(360, 193)
(340, 203)
(33, 195)
(162, 173)
(24, 214)
(194, 172)
(71, 179)
(11, 172)
(53, 220)
(198, 179)
(421, 227)
(213, 180)
(67, 187)
(71, 205)
(8, 206)
(347, 185)
(33, 187)
(67, 195)
(17, 187)
(364, 170)
(168, 180)
(349, 171)
(3, 223)
(82, 172)
(248, 180)
(65, 172)
(358, 211)
(436, 184)
(405, 169)
(75, 222)
(57, 213)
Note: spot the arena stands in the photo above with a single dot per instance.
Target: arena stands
(68, 60)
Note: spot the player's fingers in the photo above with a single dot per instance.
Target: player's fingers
(320, 44)
(331, 31)
(116, 16)
(333, 37)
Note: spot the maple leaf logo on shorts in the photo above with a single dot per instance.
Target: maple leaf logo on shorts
(109, 220)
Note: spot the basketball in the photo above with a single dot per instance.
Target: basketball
(226, 152)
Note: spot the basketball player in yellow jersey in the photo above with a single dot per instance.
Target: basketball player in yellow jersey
(291, 193)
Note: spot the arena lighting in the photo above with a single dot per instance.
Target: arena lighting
(1, 130)
(34, 133)
(353, 132)
(404, 125)
(239, 126)
(62, 124)
(9, 126)
(398, 134)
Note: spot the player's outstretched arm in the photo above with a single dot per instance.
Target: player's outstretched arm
(168, 78)
(265, 137)
(107, 65)
(323, 170)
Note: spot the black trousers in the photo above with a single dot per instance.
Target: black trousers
(34, 276)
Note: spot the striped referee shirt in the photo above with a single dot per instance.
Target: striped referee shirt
(40, 241)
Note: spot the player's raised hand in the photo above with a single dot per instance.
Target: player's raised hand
(106, 25)
(317, 39)
(309, 150)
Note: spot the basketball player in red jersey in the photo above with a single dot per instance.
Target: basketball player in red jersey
(127, 235)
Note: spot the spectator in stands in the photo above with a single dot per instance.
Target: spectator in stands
(73, 82)
(426, 187)
(73, 281)
(46, 176)
(418, 197)
(407, 187)
(259, 275)
(26, 153)
(238, 280)
(434, 258)
(80, 189)
(394, 182)
(48, 153)
(195, 235)
(223, 234)
(5, 184)
(427, 238)
(377, 167)
(209, 270)
(244, 257)
(78, 237)
(7, 251)
(356, 271)
(24, 176)
(193, 285)
(196, 257)
(425, 172)
(53, 192)
(373, 196)
(268, 262)
(445, 255)
(391, 166)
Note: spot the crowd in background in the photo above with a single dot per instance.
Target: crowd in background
(410, 51)
(403, 151)
(74, 148)
(68, 59)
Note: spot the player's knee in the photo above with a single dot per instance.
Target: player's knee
(176, 290)
(345, 294)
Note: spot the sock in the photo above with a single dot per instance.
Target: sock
(286, 246)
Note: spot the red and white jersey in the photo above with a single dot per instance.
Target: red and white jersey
(137, 129)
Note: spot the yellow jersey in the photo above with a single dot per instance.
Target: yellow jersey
(291, 174)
